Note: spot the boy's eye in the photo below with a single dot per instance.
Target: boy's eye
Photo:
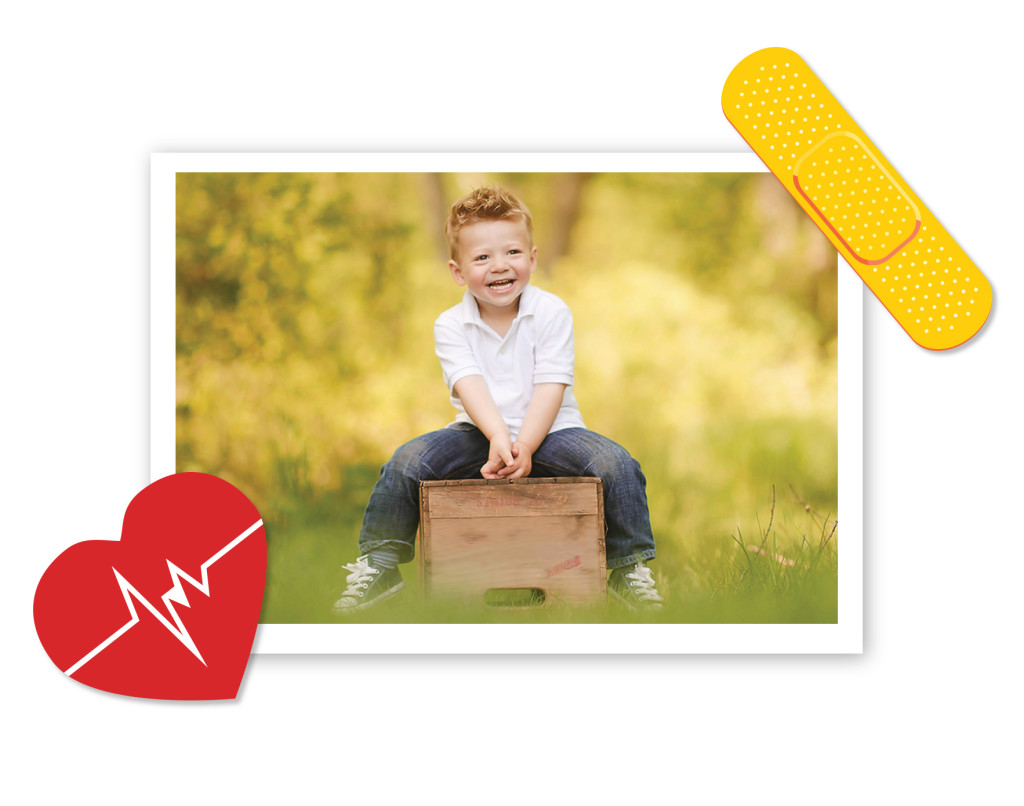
(514, 251)
(480, 257)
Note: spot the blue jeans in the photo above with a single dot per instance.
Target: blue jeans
(459, 451)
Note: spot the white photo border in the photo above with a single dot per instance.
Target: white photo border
(844, 637)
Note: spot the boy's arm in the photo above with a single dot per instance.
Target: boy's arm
(540, 414)
(480, 406)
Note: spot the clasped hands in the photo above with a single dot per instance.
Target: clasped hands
(507, 459)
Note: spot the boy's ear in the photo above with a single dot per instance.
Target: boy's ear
(533, 260)
(453, 267)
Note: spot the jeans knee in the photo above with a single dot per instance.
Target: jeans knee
(407, 461)
(615, 465)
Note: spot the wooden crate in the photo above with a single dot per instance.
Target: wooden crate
(481, 537)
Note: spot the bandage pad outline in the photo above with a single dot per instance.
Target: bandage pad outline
(868, 212)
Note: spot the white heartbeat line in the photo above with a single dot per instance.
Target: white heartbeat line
(175, 595)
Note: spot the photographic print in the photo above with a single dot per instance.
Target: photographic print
(704, 322)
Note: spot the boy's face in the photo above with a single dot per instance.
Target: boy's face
(495, 260)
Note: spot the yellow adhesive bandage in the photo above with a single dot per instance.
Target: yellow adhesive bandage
(857, 198)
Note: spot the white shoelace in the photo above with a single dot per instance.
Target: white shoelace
(362, 574)
(644, 584)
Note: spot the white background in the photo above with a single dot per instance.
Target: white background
(930, 712)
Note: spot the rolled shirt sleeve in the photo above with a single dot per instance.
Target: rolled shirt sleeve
(454, 352)
(554, 354)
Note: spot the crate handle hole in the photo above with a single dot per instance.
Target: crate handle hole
(514, 597)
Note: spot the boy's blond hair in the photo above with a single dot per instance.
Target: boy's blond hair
(491, 203)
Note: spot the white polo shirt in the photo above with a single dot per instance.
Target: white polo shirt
(538, 348)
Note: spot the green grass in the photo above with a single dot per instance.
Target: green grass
(781, 566)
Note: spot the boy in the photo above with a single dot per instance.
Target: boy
(507, 357)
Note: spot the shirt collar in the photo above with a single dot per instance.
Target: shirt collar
(528, 302)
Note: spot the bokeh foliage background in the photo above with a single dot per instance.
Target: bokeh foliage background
(705, 324)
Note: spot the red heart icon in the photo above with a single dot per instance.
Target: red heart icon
(170, 610)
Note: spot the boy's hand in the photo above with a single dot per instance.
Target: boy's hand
(499, 458)
(523, 464)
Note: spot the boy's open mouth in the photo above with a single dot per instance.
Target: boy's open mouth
(500, 284)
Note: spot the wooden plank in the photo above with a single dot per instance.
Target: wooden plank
(496, 482)
(560, 555)
(496, 500)
(424, 544)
